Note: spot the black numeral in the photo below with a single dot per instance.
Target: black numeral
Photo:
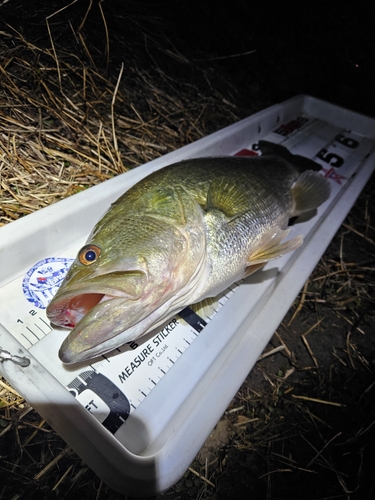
(331, 158)
(347, 141)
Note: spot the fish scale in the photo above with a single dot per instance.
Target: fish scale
(184, 233)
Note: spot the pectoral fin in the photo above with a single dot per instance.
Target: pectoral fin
(228, 197)
(205, 308)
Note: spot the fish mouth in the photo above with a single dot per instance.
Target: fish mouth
(94, 317)
(72, 302)
(68, 312)
(97, 329)
(98, 313)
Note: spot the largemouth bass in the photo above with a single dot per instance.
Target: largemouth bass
(180, 235)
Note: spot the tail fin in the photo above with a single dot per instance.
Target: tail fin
(309, 191)
(299, 162)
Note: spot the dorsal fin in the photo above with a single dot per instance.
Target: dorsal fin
(299, 162)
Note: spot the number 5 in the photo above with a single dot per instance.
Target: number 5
(330, 158)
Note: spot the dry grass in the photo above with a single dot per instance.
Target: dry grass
(65, 126)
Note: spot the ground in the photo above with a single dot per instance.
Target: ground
(302, 424)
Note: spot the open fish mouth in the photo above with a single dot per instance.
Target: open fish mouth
(95, 318)
(99, 313)
(67, 312)
(69, 306)
(97, 329)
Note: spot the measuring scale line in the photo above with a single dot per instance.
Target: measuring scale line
(47, 325)
(192, 318)
(24, 336)
(100, 395)
(35, 335)
(40, 328)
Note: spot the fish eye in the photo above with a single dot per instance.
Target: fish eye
(88, 254)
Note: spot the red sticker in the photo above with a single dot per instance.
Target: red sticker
(246, 152)
(332, 174)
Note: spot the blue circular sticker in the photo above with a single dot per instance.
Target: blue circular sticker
(43, 280)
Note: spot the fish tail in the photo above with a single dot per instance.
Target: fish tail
(309, 191)
(299, 162)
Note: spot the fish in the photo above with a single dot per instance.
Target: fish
(182, 234)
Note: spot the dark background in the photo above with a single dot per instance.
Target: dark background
(326, 49)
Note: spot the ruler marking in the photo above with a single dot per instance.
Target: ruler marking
(49, 326)
(192, 319)
(35, 335)
(39, 328)
(23, 335)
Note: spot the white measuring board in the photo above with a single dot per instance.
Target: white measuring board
(139, 415)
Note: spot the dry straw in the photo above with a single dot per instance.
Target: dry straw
(65, 126)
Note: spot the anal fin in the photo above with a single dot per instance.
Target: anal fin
(272, 248)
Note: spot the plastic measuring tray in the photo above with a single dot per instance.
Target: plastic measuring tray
(139, 416)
